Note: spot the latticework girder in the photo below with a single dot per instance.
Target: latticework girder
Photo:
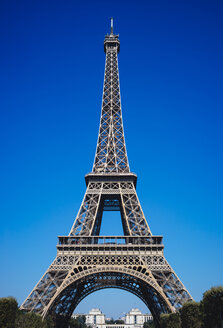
(97, 196)
(111, 153)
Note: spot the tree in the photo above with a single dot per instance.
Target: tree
(171, 320)
(12, 317)
(78, 322)
(190, 315)
(119, 321)
(8, 311)
(48, 322)
(20, 321)
(149, 324)
(74, 323)
(212, 306)
(32, 320)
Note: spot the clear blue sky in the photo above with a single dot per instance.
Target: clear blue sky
(52, 65)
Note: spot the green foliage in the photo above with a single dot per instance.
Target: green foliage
(74, 323)
(171, 320)
(79, 322)
(148, 325)
(20, 321)
(212, 306)
(32, 320)
(12, 317)
(190, 314)
(48, 323)
(8, 311)
(119, 321)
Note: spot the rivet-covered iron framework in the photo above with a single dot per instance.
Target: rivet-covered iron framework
(87, 262)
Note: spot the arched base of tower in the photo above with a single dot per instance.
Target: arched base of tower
(81, 269)
(66, 301)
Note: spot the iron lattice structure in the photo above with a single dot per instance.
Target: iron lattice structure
(87, 262)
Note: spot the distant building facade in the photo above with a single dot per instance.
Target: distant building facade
(136, 318)
(133, 319)
(95, 318)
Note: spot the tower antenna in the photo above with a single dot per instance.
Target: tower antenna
(111, 25)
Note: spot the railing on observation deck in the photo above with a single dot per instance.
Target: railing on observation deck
(112, 240)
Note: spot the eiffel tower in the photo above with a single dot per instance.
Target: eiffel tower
(87, 262)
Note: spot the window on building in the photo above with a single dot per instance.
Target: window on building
(135, 319)
(94, 319)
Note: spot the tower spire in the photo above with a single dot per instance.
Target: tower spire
(111, 26)
(111, 155)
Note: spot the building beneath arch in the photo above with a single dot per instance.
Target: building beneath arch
(133, 319)
(136, 318)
